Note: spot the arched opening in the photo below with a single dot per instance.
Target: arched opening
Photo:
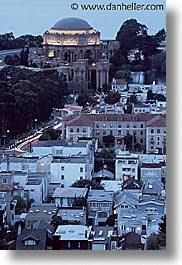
(66, 57)
(93, 79)
(89, 54)
(80, 54)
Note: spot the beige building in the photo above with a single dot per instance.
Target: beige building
(156, 135)
(75, 48)
(119, 125)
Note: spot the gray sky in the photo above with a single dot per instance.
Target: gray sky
(36, 16)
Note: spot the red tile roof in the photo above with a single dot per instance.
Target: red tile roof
(6, 187)
(80, 120)
(151, 165)
(86, 119)
(157, 121)
(120, 82)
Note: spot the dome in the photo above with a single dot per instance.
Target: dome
(72, 23)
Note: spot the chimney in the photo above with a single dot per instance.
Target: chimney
(19, 229)
(7, 164)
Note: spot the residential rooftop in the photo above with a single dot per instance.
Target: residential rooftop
(71, 192)
(100, 195)
(73, 232)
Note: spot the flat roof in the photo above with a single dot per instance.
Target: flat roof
(73, 232)
(71, 192)
(100, 195)
(68, 160)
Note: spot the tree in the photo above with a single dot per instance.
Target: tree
(57, 220)
(160, 35)
(159, 62)
(128, 139)
(161, 239)
(156, 241)
(152, 242)
(150, 95)
(125, 75)
(26, 95)
(20, 205)
(80, 201)
(128, 35)
(112, 97)
(12, 60)
(108, 140)
(111, 220)
(49, 134)
(87, 183)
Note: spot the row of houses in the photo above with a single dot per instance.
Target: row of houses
(137, 215)
(121, 85)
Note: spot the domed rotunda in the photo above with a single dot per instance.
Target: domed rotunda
(74, 46)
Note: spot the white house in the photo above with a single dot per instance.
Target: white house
(118, 85)
(34, 190)
(65, 197)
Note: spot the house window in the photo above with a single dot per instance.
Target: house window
(62, 186)
(119, 125)
(104, 125)
(111, 125)
(97, 125)
(141, 141)
(102, 215)
(119, 132)
(62, 177)
(141, 125)
(104, 132)
(134, 126)
(158, 130)
(133, 170)
(77, 130)
(62, 168)
(84, 130)
(141, 133)
(127, 126)
(81, 169)
(81, 178)
(111, 133)
(97, 132)
(30, 242)
(152, 130)
(4, 181)
(71, 130)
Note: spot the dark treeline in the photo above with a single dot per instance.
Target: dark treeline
(8, 41)
(26, 96)
(133, 36)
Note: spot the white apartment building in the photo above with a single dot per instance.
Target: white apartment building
(150, 172)
(65, 171)
(126, 165)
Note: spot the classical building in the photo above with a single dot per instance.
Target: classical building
(75, 48)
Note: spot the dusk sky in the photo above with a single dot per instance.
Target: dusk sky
(36, 16)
